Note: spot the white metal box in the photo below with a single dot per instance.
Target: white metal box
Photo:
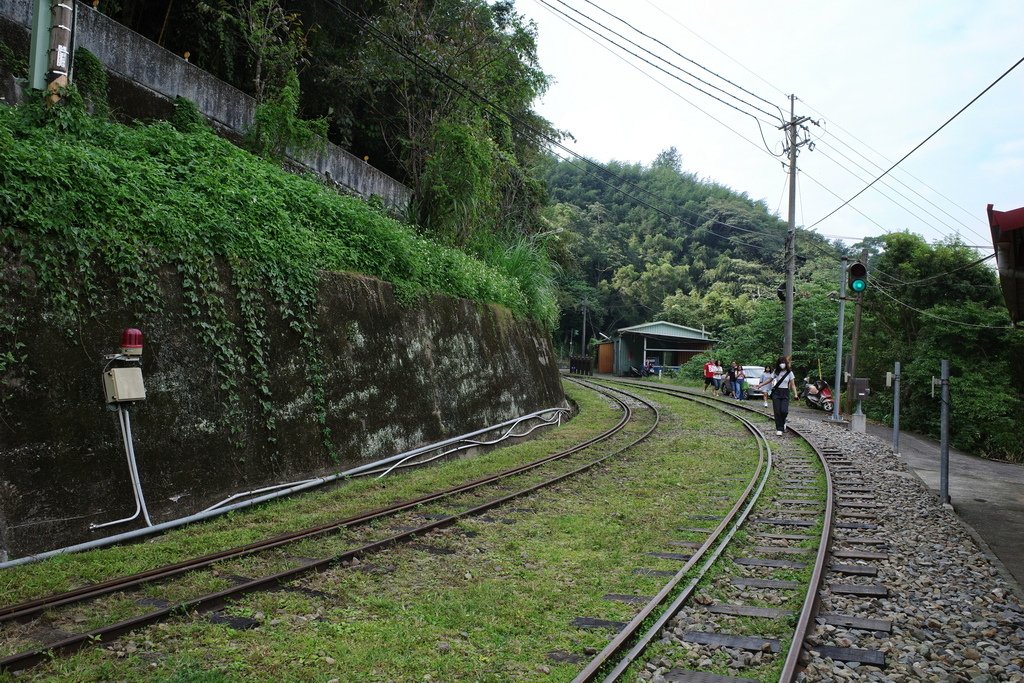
(123, 384)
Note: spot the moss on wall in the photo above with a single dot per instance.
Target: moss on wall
(395, 377)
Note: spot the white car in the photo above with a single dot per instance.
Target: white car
(753, 378)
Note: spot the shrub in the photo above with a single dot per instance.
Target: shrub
(80, 197)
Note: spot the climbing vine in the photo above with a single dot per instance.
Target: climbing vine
(83, 200)
(14, 64)
(91, 80)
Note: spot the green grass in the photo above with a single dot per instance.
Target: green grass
(489, 611)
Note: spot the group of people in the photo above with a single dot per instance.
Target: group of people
(775, 383)
(728, 380)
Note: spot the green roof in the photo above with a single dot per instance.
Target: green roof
(662, 328)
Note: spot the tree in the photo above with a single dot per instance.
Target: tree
(468, 159)
(275, 39)
(926, 303)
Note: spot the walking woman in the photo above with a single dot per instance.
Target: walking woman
(782, 382)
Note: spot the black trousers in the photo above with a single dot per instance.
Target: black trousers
(780, 404)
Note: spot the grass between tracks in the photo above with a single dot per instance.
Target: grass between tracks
(484, 601)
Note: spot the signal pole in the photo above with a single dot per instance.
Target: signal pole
(855, 339)
(836, 388)
(794, 144)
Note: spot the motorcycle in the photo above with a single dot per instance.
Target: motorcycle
(818, 394)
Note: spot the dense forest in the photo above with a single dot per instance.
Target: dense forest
(655, 242)
(440, 94)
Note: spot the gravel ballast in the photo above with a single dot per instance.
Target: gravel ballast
(954, 616)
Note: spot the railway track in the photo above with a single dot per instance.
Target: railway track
(814, 491)
(690, 621)
(355, 535)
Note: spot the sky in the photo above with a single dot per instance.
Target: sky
(873, 74)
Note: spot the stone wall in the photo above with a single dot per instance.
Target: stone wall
(396, 377)
(146, 77)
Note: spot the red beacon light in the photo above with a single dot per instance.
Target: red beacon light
(131, 342)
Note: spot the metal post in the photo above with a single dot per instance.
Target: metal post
(839, 338)
(787, 342)
(896, 410)
(39, 57)
(583, 333)
(944, 438)
(855, 337)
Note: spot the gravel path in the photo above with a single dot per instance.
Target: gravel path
(954, 617)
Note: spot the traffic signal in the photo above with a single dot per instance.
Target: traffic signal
(858, 277)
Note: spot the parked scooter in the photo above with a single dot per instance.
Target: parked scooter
(817, 394)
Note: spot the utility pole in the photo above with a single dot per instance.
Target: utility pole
(793, 143)
(50, 56)
(896, 410)
(854, 342)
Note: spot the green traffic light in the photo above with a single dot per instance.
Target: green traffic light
(858, 285)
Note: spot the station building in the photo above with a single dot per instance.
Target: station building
(667, 344)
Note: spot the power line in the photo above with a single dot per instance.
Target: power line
(971, 214)
(718, 49)
(938, 275)
(453, 83)
(782, 115)
(830, 146)
(939, 317)
(666, 87)
(649, 62)
(890, 187)
(895, 178)
(920, 144)
(562, 14)
(908, 199)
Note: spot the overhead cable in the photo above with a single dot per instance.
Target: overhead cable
(920, 144)
(973, 215)
(672, 64)
(650, 63)
(939, 317)
(943, 274)
(454, 83)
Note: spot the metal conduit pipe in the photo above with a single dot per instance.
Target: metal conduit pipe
(470, 443)
(302, 486)
(408, 455)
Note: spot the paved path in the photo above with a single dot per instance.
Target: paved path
(986, 494)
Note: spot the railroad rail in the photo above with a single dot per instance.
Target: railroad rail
(212, 601)
(629, 644)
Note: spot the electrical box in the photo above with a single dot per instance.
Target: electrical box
(123, 384)
(860, 388)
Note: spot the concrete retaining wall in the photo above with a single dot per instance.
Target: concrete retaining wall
(395, 378)
(135, 60)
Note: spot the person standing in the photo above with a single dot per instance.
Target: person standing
(766, 377)
(735, 375)
(709, 375)
(718, 370)
(783, 381)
